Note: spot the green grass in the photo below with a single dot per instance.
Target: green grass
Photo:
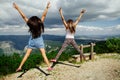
(110, 55)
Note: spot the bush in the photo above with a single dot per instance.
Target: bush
(33, 60)
(101, 47)
(108, 46)
(113, 45)
(8, 64)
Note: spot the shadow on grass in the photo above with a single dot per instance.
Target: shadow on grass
(24, 71)
(53, 65)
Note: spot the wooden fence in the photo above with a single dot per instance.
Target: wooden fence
(89, 54)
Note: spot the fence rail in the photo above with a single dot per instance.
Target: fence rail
(90, 54)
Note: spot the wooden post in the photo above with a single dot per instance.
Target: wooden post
(91, 53)
(81, 48)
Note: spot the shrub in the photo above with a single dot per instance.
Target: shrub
(108, 46)
(113, 45)
(8, 64)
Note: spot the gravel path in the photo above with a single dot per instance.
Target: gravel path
(100, 69)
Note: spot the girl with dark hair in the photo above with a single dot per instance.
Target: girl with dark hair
(70, 27)
(36, 28)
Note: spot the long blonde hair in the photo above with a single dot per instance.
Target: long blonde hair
(70, 25)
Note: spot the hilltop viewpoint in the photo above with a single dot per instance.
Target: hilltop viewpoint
(103, 67)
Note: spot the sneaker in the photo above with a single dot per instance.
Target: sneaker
(53, 60)
(19, 70)
(49, 69)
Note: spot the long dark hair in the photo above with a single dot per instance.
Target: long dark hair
(36, 26)
(70, 25)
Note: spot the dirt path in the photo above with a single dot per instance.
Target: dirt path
(100, 69)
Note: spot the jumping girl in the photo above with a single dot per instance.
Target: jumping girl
(70, 27)
(36, 28)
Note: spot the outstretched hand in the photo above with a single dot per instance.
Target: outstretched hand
(48, 5)
(60, 10)
(83, 11)
(15, 6)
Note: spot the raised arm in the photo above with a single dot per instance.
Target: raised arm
(45, 12)
(62, 17)
(20, 11)
(78, 19)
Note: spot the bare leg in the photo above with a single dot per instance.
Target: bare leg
(24, 59)
(45, 57)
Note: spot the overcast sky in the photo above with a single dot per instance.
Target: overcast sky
(102, 16)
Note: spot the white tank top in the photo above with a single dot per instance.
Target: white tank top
(69, 34)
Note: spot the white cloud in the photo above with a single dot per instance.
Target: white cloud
(92, 30)
(13, 30)
(80, 30)
(96, 10)
(118, 27)
(87, 30)
(71, 8)
(102, 16)
(55, 31)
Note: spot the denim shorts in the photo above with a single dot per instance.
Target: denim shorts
(36, 43)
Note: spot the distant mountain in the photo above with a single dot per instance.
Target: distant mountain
(97, 37)
(19, 42)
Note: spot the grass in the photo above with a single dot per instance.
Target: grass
(110, 55)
